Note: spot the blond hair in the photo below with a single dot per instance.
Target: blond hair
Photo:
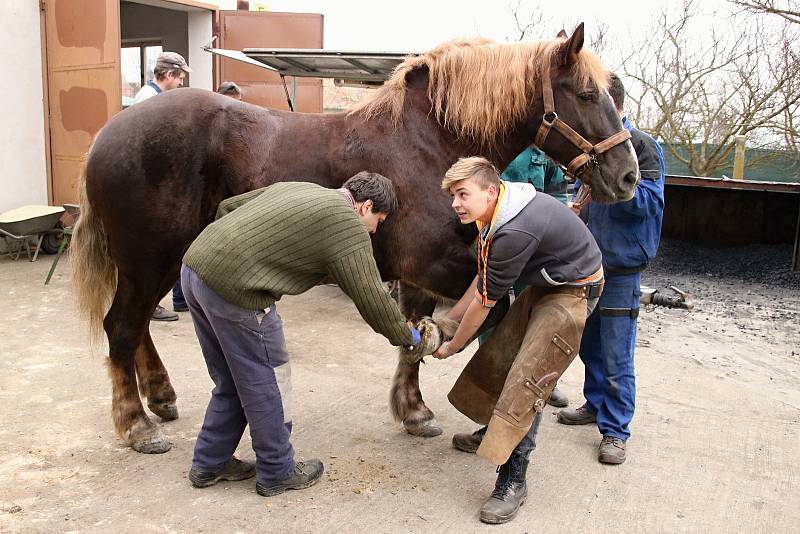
(481, 169)
(469, 95)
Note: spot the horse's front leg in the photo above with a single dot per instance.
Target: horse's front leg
(405, 399)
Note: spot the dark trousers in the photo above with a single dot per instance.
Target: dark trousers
(178, 300)
(246, 356)
(528, 443)
(607, 349)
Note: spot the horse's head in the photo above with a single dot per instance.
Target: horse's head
(489, 96)
(580, 127)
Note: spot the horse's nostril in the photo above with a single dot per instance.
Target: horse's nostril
(631, 178)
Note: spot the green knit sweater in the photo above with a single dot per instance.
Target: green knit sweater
(282, 240)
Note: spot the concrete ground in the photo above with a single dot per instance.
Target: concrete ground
(715, 446)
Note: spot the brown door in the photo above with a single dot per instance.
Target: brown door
(83, 89)
(250, 29)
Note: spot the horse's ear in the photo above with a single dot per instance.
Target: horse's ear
(573, 46)
(562, 35)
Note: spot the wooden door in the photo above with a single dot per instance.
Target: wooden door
(251, 29)
(82, 48)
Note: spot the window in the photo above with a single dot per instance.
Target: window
(137, 64)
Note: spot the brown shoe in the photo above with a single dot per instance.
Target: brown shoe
(557, 399)
(612, 450)
(469, 442)
(576, 416)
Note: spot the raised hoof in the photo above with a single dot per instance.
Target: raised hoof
(155, 444)
(167, 411)
(424, 429)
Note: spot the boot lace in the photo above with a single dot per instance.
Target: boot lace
(503, 484)
(611, 440)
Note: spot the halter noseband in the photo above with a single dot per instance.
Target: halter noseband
(550, 120)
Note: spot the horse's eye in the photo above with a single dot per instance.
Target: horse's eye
(587, 97)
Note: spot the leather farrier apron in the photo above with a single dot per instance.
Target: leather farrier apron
(512, 374)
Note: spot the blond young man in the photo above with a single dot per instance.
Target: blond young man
(531, 239)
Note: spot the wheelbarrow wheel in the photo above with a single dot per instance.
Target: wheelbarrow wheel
(52, 240)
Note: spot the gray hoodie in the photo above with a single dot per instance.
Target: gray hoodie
(536, 240)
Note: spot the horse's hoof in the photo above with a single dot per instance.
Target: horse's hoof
(424, 429)
(167, 411)
(155, 444)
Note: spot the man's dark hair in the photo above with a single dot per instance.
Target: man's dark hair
(229, 88)
(617, 91)
(375, 187)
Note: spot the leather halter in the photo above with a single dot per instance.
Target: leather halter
(550, 120)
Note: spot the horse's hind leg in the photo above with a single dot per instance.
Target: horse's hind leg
(405, 399)
(154, 383)
(126, 325)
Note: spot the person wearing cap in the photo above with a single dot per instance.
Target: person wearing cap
(170, 73)
(230, 89)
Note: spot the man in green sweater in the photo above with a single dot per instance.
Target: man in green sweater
(275, 241)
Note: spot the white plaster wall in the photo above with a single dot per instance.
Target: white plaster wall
(199, 60)
(23, 173)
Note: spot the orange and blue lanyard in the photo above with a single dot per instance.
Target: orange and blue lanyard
(483, 245)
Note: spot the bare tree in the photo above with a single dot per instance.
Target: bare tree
(789, 9)
(696, 96)
(530, 25)
(534, 25)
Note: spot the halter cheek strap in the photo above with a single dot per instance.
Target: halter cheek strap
(589, 151)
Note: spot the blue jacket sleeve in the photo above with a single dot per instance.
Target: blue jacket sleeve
(649, 198)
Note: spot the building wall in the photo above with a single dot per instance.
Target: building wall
(201, 62)
(336, 99)
(23, 179)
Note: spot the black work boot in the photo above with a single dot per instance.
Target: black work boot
(469, 442)
(305, 475)
(510, 492)
(235, 469)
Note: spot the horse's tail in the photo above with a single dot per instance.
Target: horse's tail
(94, 275)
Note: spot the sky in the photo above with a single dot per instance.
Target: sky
(418, 25)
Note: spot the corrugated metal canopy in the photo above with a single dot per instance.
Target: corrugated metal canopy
(311, 63)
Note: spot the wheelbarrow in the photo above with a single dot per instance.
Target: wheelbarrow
(26, 227)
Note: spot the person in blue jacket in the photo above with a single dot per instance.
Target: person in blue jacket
(628, 234)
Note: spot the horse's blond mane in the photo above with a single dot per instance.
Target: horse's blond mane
(480, 89)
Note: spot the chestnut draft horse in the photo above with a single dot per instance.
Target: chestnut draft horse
(157, 171)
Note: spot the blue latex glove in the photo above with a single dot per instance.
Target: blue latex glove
(415, 337)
